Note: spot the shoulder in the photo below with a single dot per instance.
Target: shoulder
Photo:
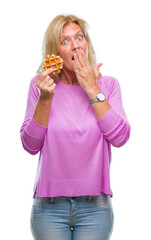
(32, 87)
(107, 81)
(108, 85)
(34, 79)
(32, 84)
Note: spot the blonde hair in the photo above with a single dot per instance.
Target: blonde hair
(53, 33)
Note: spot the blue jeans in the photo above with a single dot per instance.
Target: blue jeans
(67, 218)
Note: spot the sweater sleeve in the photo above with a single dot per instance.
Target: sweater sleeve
(114, 123)
(32, 134)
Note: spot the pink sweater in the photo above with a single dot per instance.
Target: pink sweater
(75, 148)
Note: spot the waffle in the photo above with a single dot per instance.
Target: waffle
(54, 62)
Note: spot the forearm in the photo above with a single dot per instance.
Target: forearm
(34, 127)
(114, 127)
(46, 87)
(32, 136)
(42, 110)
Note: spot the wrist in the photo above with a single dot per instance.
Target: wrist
(46, 99)
(93, 92)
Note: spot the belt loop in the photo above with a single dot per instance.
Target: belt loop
(52, 199)
(89, 198)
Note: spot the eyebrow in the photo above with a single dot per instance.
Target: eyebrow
(64, 36)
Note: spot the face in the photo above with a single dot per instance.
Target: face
(72, 39)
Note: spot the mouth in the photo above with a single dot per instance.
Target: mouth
(72, 58)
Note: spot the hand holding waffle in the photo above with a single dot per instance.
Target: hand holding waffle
(52, 64)
(46, 84)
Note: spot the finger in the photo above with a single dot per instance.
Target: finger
(46, 79)
(43, 83)
(80, 56)
(97, 67)
(47, 88)
(51, 88)
(84, 58)
(47, 72)
(50, 82)
(77, 64)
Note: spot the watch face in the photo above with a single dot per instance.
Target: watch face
(101, 96)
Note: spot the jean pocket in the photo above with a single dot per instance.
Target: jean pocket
(103, 201)
(38, 206)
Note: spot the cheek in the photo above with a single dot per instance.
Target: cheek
(63, 52)
(87, 52)
(60, 52)
(84, 46)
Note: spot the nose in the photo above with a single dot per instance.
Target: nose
(74, 44)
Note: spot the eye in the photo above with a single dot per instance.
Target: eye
(64, 42)
(79, 37)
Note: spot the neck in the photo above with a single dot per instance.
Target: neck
(69, 77)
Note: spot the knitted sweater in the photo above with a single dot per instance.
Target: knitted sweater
(75, 149)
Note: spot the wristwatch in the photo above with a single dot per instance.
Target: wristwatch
(99, 98)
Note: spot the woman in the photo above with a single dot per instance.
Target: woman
(72, 120)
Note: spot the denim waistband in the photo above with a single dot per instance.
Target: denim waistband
(54, 199)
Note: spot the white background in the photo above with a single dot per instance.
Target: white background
(120, 32)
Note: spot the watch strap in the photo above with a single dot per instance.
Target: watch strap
(93, 100)
(98, 98)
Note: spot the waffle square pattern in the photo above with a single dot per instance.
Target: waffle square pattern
(55, 62)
